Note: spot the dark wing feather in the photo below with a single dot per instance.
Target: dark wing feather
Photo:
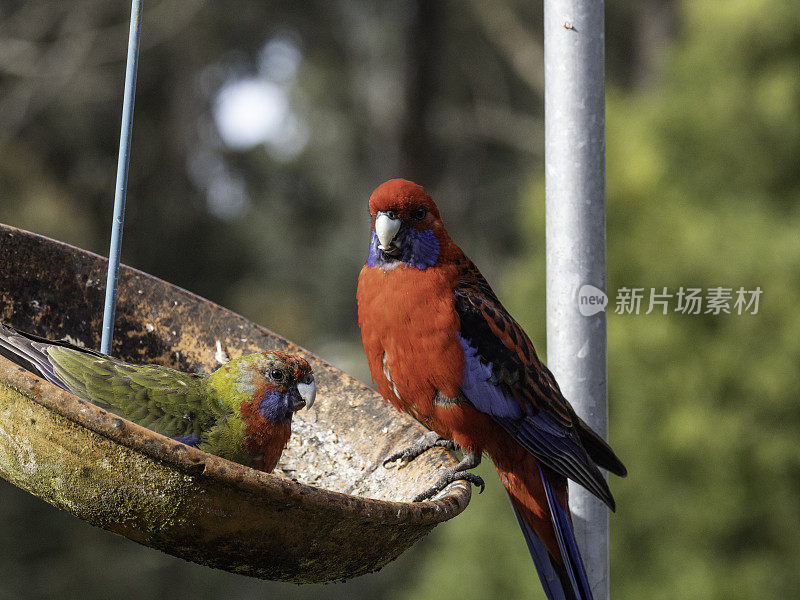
(30, 351)
(505, 379)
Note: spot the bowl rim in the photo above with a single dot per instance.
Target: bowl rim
(193, 461)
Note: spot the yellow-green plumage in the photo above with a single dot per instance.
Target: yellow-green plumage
(167, 401)
(242, 411)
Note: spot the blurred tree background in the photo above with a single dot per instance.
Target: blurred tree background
(260, 130)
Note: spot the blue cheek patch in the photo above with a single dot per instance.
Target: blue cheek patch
(374, 258)
(420, 249)
(273, 406)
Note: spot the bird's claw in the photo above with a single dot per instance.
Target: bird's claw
(448, 478)
(427, 441)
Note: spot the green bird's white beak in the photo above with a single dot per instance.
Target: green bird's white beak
(307, 390)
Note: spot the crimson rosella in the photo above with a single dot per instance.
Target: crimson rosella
(441, 347)
(242, 411)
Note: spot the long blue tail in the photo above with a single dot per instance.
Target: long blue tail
(565, 581)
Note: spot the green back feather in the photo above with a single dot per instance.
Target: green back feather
(165, 400)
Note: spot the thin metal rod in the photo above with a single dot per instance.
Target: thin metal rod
(574, 42)
(123, 161)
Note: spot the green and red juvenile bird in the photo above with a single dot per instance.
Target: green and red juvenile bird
(241, 412)
(442, 348)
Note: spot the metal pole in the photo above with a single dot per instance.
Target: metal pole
(123, 160)
(576, 244)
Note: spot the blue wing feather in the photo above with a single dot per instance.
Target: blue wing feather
(192, 439)
(548, 574)
(565, 535)
(504, 379)
(539, 432)
(478, 389)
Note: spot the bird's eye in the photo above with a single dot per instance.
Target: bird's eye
(276, 374)
(419, 213)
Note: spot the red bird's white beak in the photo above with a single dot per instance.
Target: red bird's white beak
(386, 228)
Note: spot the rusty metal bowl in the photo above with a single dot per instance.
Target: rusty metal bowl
(331, 511)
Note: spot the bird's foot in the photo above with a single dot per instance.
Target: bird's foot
(448, 478)
(458, 472)
(425, 442)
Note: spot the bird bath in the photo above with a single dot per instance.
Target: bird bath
(330, 511)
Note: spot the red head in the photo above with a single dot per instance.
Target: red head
(407, 226)
(403, 197)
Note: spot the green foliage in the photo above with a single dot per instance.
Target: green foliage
(702, 191)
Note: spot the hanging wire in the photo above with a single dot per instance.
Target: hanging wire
(121, 191)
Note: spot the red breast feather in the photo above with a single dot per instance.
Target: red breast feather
(409, 329)
(264, 439)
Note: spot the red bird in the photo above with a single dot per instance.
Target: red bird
(442, 348)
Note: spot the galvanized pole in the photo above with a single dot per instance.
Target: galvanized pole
(123, 160)
(576, 244)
